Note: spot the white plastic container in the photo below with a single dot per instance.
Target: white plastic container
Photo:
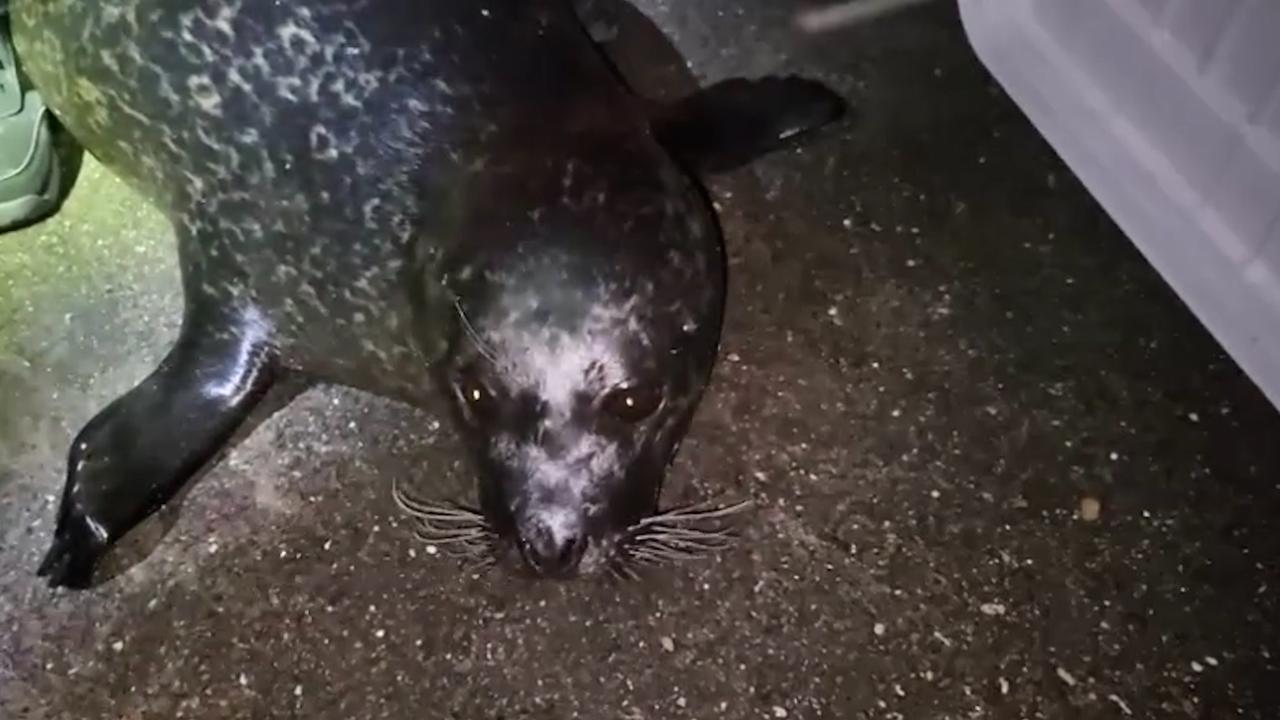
(1169, 112)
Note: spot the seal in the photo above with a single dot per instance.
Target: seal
(418, 199)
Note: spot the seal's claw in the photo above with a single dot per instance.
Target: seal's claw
(74, 553)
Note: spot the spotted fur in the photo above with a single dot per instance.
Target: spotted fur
(403, 196)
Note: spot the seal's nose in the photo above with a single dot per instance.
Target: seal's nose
(552, 551)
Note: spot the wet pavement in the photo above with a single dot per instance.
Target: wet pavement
(1003, 472)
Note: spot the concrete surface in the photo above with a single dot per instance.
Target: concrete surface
(939, 351)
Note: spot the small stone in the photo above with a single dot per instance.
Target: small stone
(244, 680)
(992, 609)
(681, 702)
(1066, 677)
(117, 645)
(878, 629)
(432, 550)
(848, 223)
(1115, 456)
(1193, 417)
(1124, 707)
(1195, 665)
(379, 633)
(1004, 687)
(297, 691)
(668, 644)
(1090, 509)
(1211, 660)
(779, 711)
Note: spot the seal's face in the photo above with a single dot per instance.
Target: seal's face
(574, 374)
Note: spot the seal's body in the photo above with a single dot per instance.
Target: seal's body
(409, 198)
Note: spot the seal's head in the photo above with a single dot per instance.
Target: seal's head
(586, 330)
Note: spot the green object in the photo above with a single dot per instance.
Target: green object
(31, 175)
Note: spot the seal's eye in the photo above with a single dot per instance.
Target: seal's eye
(476, 394)
(631, 404)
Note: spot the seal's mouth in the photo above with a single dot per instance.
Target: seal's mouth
(680, 534)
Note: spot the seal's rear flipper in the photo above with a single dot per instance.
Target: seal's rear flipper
(733, 122)
(136, 454)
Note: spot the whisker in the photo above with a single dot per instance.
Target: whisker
(439, 512)
(684, 547)
(429, 535)
(694, 513)
(471, 549)
(649, 561)
(665, 553)
(481, 346)
(709, 544)
(483, 563)
(673, 536)
(645, 558)
(682, 532)
(615, 572)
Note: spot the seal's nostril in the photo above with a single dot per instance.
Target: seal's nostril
(549, 555)
(571, 551)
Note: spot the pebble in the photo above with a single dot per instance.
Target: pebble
(117, 645)
(1066, 677)
(779, 711)
(1195, 665)
(878, 629)
(1124, 707)
(992, 609)
(681, 702)
(668, 644)
(1090, 509)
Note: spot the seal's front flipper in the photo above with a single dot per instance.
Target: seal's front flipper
(136, 454)
(733, 122)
